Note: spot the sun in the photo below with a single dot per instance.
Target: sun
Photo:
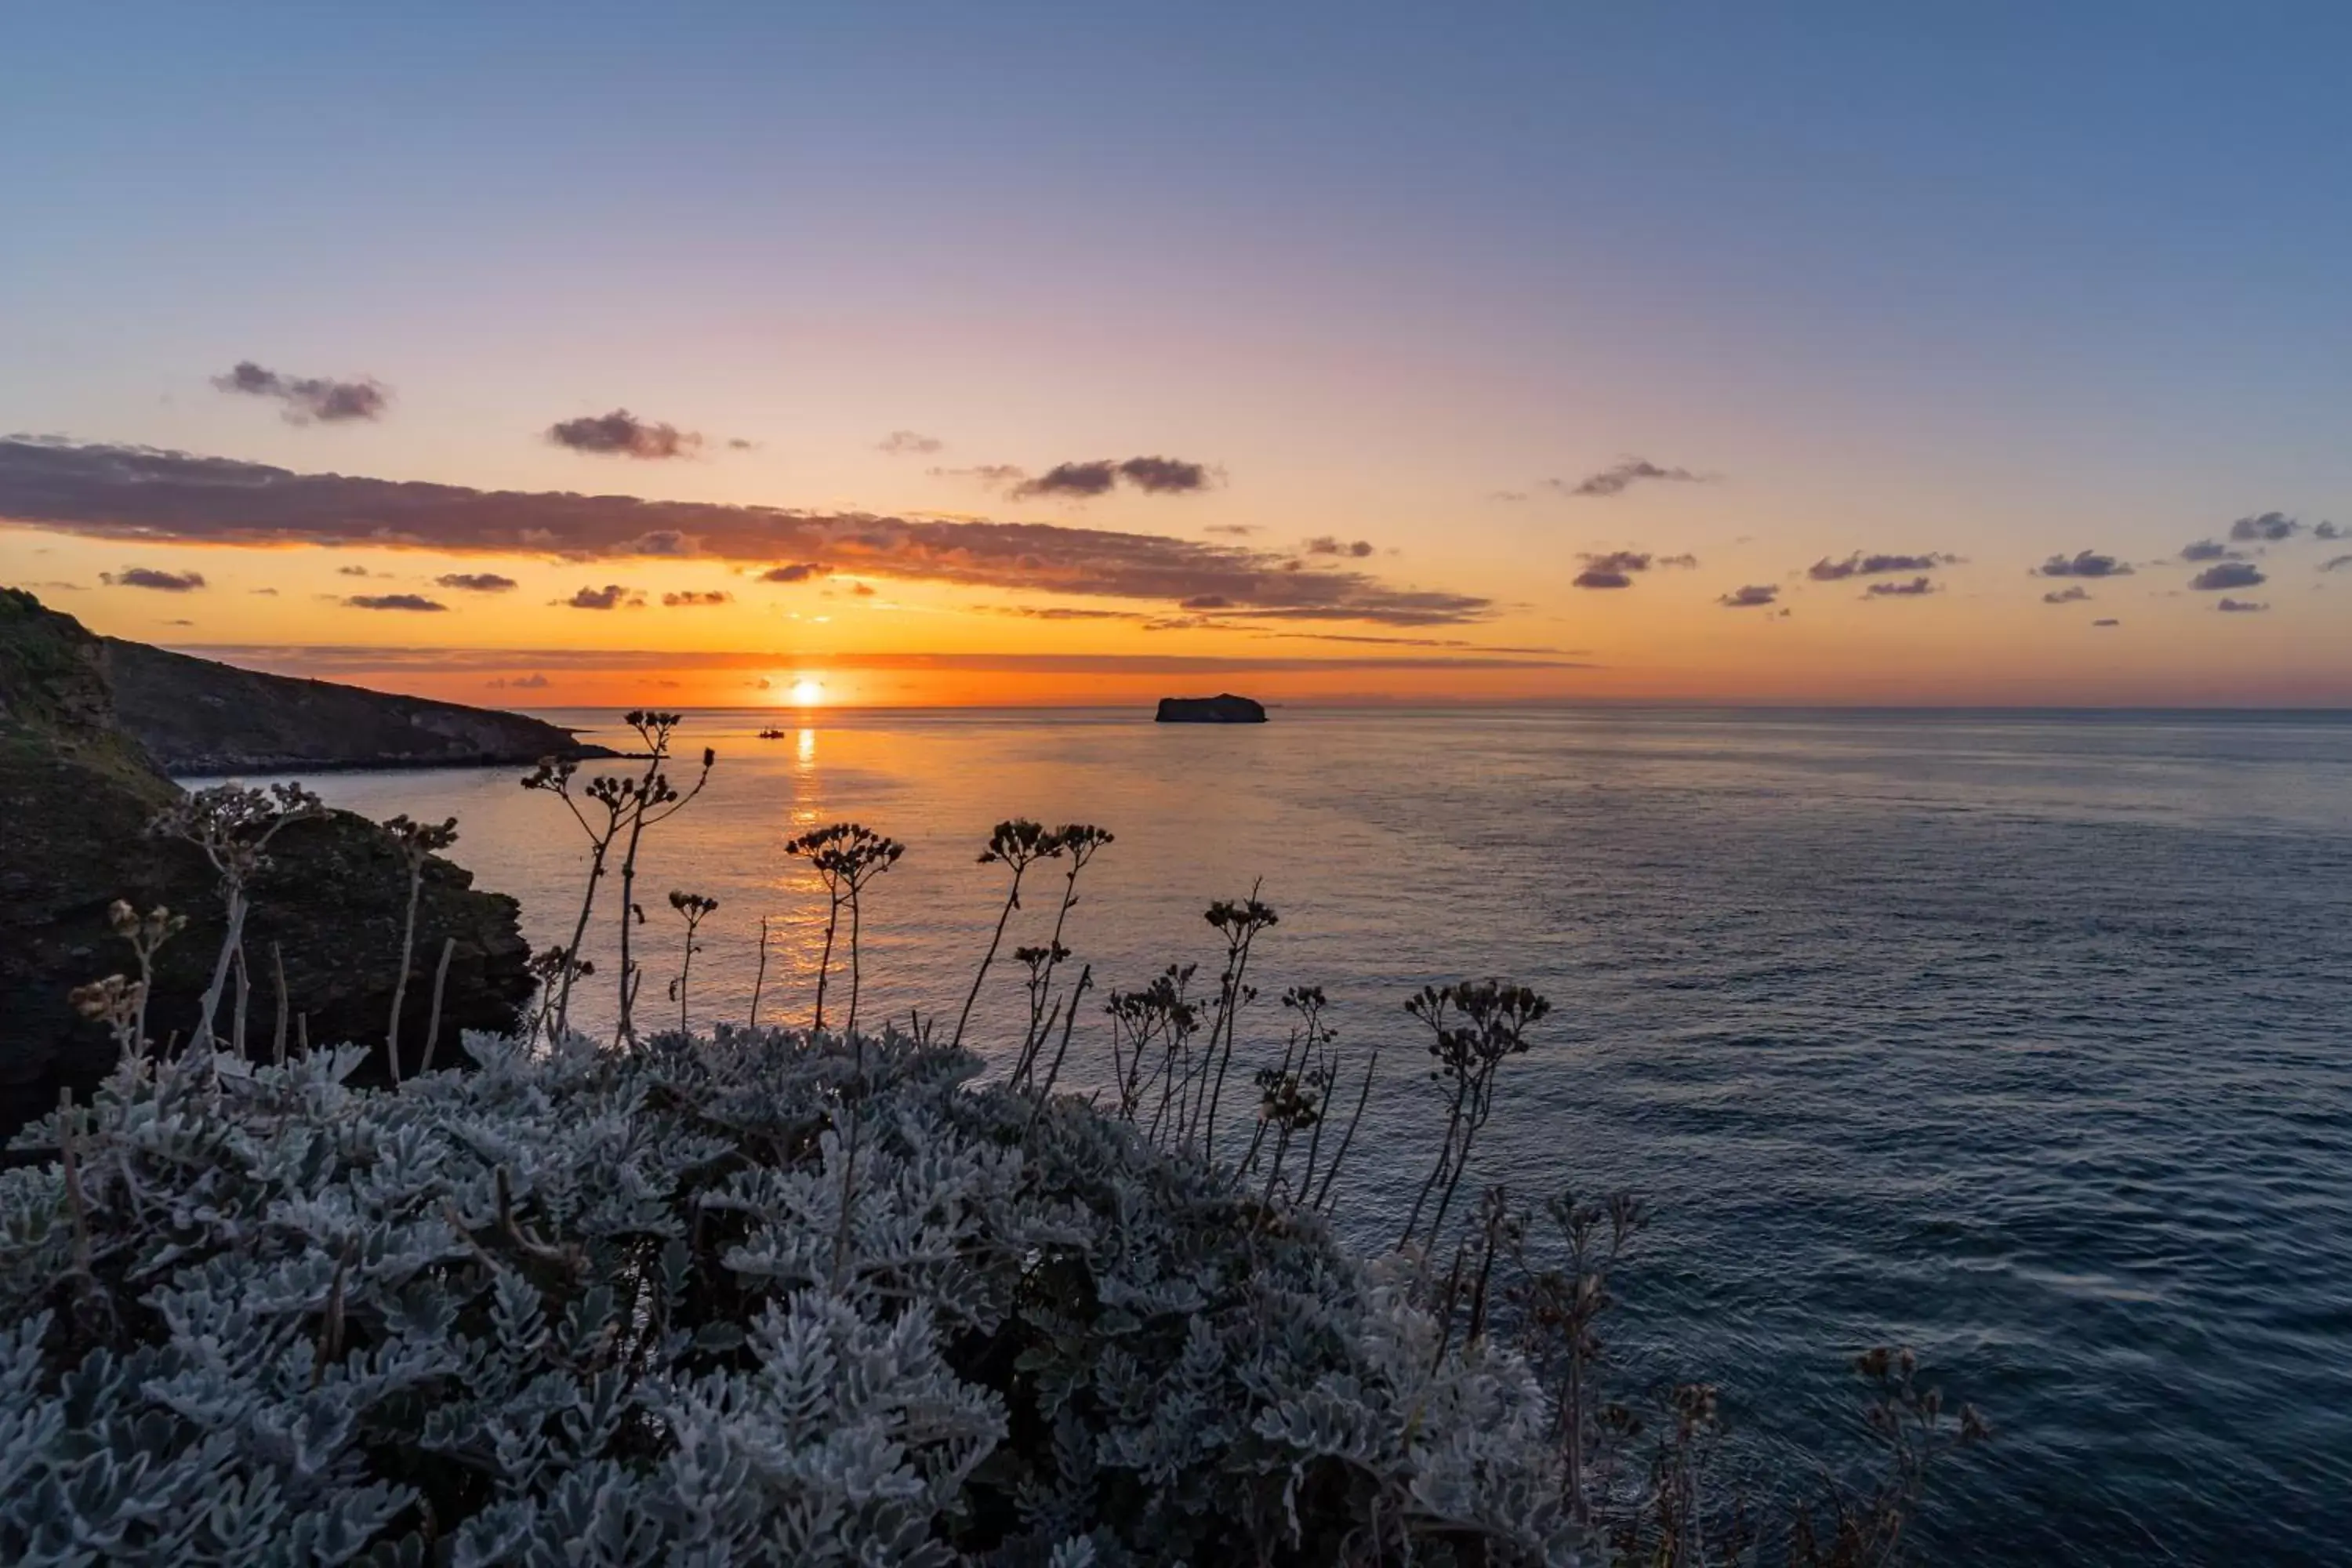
(807, 691)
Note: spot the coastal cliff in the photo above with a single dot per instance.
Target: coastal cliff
(198, 716)
(76, 791)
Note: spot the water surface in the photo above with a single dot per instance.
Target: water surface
(2017, 1038)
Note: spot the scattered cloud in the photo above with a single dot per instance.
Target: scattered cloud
(475, 582)
(2240, 607)
(2110, 621)
(660, 542)
(2228, 575)
(2269, 526)
(610, 596)
(149, 578)
(2083, 563)
(521, 683)
(353, 572)
(1614, 569)
(2208, 550)
(993, 475)
(1325, 544)
(798, 571)
(909, 443)
(154, 496)
(738, 444)
(179, 622)
(2327, 531)
(1233, 530)
(268, 593)
(1685, 558)
(622, 433)
(1154, 476)
(344, 661)
(2072, 594)
(2336, 564)
(1506, 497)
(862, 590)
(1207, 602)
(309, 398)
(1621, 475)
(1871, 564)
(689, 597)
(1916, 588)
(1753, 597)
(394, 602)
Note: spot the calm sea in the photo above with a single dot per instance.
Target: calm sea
(2020, 1039)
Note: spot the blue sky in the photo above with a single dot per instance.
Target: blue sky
(2000, 280)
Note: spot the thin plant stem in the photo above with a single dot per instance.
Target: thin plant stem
(433, 1027)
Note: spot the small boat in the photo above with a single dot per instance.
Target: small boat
(775, 734)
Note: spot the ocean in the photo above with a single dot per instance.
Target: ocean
(2019, 1038)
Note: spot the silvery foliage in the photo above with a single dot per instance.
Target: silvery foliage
(760, 1298)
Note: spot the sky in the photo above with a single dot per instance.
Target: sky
(894, 354)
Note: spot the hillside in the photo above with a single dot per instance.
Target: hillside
(198, 716)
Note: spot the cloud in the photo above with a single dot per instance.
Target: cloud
(1154, 476)
(2336, 564)
(309, 398)
(1506, 497)
(862, 590)
(1751, 597)
(2270, 526)
(271, 593)
(622, 433)
(1685, 558)
(2228, 575)
(179, 622)
(1601, 577)
(1621, 476)
(149, 577)
(1164, 476)
(153, 497)
(2208, 550)
(990, 474)
(1207, 602)
(2083, 563)
(1325, 544)
(1233, 530)
(352, 571)
(798, 571)
(1913, 589)
(2107, 623)
(610, 596)
(2240, 607)
(694, 596)
(737, 444)
(1611, 570)
(522, 682)
(1860, 564)
(909, 443)
(394, 602)
(2074, 594)
(476, 582)
(2327, 531)
(332, 661)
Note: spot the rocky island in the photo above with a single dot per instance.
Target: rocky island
(1223, 708)
(78, 786)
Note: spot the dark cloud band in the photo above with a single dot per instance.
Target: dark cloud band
(146, 494)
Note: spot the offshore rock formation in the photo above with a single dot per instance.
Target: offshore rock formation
(76, 791)
(196, 715)
(1223, 708)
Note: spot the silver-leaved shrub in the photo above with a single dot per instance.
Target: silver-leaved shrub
(766, 1297)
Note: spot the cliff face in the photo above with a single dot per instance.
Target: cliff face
(196, 715)
(76, 795)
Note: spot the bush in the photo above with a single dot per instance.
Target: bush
(766, 1297)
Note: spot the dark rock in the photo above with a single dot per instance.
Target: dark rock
(76, 796)
(198, 716)
(1223, 708)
